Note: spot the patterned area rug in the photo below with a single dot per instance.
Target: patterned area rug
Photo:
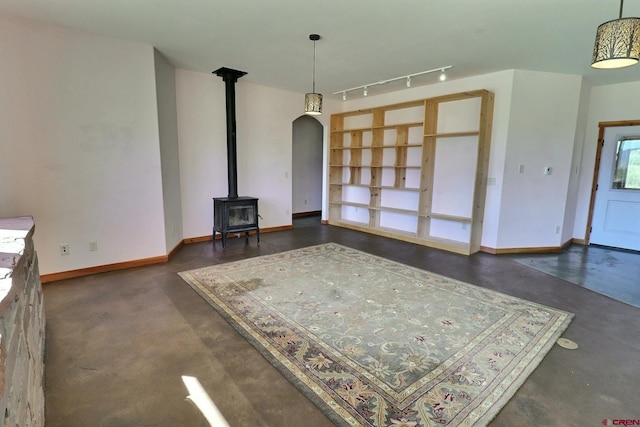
(376, 343)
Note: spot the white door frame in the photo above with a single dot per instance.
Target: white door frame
(596, 170)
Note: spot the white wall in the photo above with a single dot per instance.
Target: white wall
(79, 144)
(170, 162)
(576, 161)
(264, 119)
(607, 103)
(264, 128)
(542, 126)
(202, 146)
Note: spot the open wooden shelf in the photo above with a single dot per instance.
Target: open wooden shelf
(452, 134)
(409, 124)
(373, 154)
(368, 147)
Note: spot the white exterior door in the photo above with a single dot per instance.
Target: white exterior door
(616, 212)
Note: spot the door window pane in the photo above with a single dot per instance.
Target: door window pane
(627, 172)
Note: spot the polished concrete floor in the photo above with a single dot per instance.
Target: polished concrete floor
(118, 343)
(609, 271)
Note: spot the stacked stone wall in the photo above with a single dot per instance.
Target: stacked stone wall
(22, 327)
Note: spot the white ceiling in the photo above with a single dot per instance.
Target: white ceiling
(363, 41)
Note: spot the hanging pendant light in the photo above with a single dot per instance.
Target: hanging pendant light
(313, 101)
(617, 43)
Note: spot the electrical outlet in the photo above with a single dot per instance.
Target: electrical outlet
(93, 246)
(64, 249)
(521, 169)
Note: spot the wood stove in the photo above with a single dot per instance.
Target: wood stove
(233, 214)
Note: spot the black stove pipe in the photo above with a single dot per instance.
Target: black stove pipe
(230, 78)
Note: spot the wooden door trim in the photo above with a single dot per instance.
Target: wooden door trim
(596, 169)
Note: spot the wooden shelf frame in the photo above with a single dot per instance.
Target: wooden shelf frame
(374, 172)
(369, 148)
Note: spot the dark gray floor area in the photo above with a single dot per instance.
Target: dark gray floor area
(611, 272)
(117, 343)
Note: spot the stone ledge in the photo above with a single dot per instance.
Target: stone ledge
(15, 239)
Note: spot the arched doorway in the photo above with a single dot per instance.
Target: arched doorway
(307, 168)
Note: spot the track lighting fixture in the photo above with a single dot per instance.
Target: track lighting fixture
(365, 92)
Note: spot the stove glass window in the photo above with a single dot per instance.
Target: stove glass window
(241, 215)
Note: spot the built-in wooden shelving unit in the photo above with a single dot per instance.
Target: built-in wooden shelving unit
(415, 171)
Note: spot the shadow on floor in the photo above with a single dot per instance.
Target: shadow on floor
(307, 221)
(608, 271)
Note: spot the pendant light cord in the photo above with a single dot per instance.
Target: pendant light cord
(620, 17)
(314, 66)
